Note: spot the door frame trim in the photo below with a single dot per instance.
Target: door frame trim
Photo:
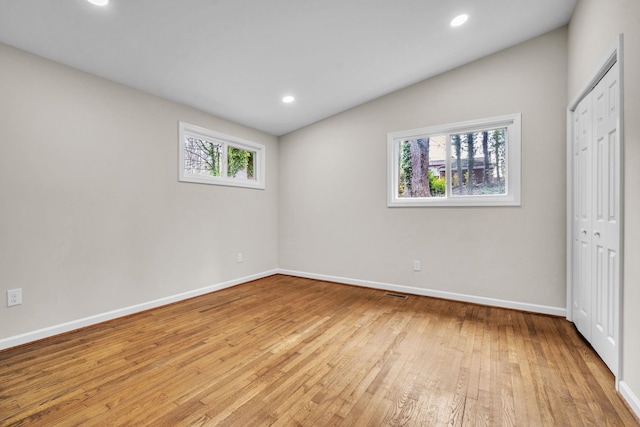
(614, 54)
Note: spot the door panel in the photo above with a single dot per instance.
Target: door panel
(582, 125)
(606, 221)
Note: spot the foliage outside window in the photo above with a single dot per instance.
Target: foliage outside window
(211, 157)
(474, 163)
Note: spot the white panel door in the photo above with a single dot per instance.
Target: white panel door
(596, 217)
(606, 219)
(582, 208)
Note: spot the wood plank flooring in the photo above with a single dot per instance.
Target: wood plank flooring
(286, 351)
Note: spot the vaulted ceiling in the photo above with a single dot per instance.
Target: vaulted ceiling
(238, 58)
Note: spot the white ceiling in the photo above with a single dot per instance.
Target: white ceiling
(238, 58)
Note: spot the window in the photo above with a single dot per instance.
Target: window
(211, 157)
(474, 163)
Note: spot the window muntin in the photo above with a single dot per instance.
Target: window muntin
(211, 157)
(431, 166)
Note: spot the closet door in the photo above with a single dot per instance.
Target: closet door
(596, 217)
(582, 207)
(606, 218)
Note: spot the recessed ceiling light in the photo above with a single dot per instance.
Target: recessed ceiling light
(99, 2)
(459, 20)
(288, 99)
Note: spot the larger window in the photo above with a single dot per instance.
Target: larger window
(475, 163)
(211, 157)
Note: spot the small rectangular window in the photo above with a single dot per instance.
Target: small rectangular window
(474, 163)
(211, 157)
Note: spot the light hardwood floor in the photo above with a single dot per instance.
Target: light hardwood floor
(290, 351)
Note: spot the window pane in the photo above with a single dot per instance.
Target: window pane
(421, 165)
(478, 163)
(241, 163)
(202, 157)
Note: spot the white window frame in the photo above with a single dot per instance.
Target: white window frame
(189, 130)
(513, 161)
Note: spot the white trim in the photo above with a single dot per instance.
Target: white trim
(569, 219)
(630, 397)
(614, 54)
(514, 305)
(513, 160)
(620, 60)
(51, 331)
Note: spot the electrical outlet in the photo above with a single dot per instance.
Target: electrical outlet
(14, 297)
(416, 265)
(239, 256)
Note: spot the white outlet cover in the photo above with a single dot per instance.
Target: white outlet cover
(14, 297)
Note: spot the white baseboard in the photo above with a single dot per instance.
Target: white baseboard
(51, 331)
(630, 397)
(533, 308)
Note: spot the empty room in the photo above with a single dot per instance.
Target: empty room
(319, 213)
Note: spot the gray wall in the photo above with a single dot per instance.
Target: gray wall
(593, 30)
(333, 214)
(93, 217)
